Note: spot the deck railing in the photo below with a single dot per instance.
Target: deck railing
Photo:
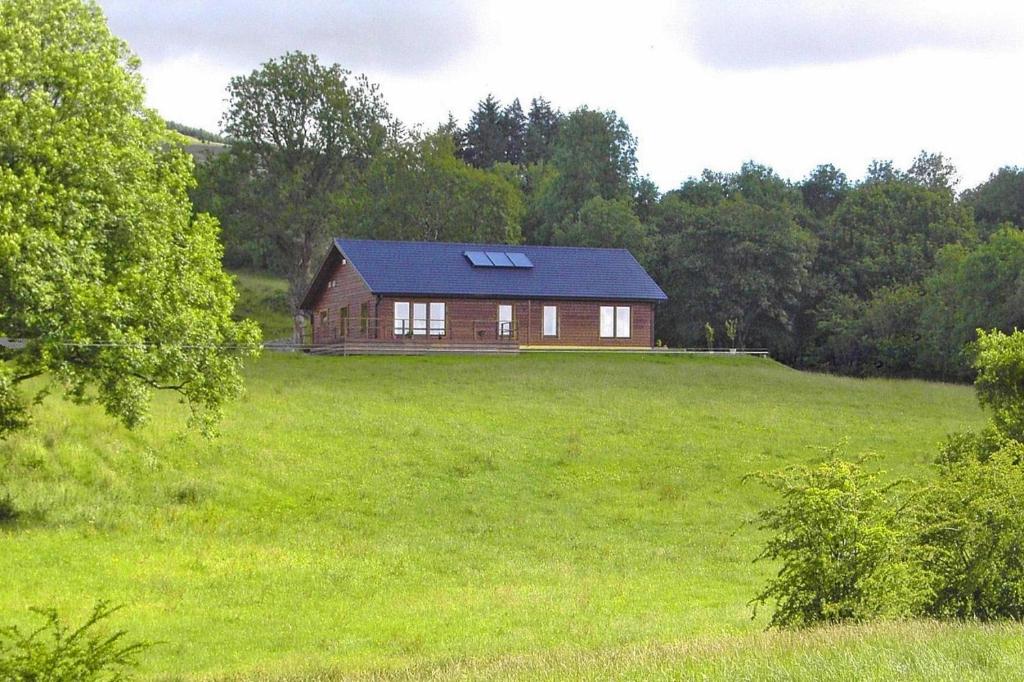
(334, 331)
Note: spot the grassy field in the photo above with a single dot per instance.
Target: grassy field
(529, 516)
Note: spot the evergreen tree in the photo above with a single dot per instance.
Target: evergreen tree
(514, 123)
(485, 134)
(541, 128)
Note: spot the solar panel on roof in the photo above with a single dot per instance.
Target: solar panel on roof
(479, 259)
(499, 259)
(519, 260)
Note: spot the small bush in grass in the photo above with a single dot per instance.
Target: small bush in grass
(188, 492)
(54, 652)
(843, 548)
(8, 512)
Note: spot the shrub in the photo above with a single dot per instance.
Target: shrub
(976, 446)
(970, 533)
(843, 550)
(1000, 381)
(8, 512)
(54, 652)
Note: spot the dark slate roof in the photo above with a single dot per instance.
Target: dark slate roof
(441, 269)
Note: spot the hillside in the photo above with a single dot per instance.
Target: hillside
(263, 299)
(527, 516)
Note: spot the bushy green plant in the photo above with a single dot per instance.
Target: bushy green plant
(8, 511)
(54, 652)
(1000, 382)
(850, 552)
(843, 547)
(970, 535)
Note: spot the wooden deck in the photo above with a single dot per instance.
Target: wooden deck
(413, 347)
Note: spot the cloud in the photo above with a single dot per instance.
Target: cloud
(399, 36)
(754, 34)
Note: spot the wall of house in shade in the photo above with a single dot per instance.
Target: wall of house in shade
(344, 308)
(341, 288)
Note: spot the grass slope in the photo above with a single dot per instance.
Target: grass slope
(525, 516)
(264, 299)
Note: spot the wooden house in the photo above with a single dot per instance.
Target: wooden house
(406, 295)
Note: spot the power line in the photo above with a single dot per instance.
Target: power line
(19, 344)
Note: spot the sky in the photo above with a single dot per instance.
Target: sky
(701, 83)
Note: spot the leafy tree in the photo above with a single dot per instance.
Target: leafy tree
(880, 336)
(541, 129)
(933, 171)
(302, 132)
(1000, 199)
(824, 189)
(607, 223)
(594, 156)
(115, 284)
(420, 191)
(224, 188)
(485, 134)
(451, 128)
(537, 182)
(723, 256)
(888, 232)
(970, 289)
(645, 200)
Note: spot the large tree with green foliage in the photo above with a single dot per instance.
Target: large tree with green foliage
(607, 223)
(731, 249)
(970, 289)
(594, 155)
(115, 285)
(730, 260)
(824, 189)
(419, 190)
(302, 132)
(998, 200)
(889, 231)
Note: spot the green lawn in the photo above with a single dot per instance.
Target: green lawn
(522, 516)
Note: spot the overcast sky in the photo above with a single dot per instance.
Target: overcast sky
(701, 83)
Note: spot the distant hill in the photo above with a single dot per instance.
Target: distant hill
(198, 134)
(202, 144)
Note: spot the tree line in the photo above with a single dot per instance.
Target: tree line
(889, 274)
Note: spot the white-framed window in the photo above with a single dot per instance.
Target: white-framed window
(607, 322)
(615, 322)
(419, 319)
(550, 320)
(504, 320)
(622, 321)
(437, 319)
(402, 325)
